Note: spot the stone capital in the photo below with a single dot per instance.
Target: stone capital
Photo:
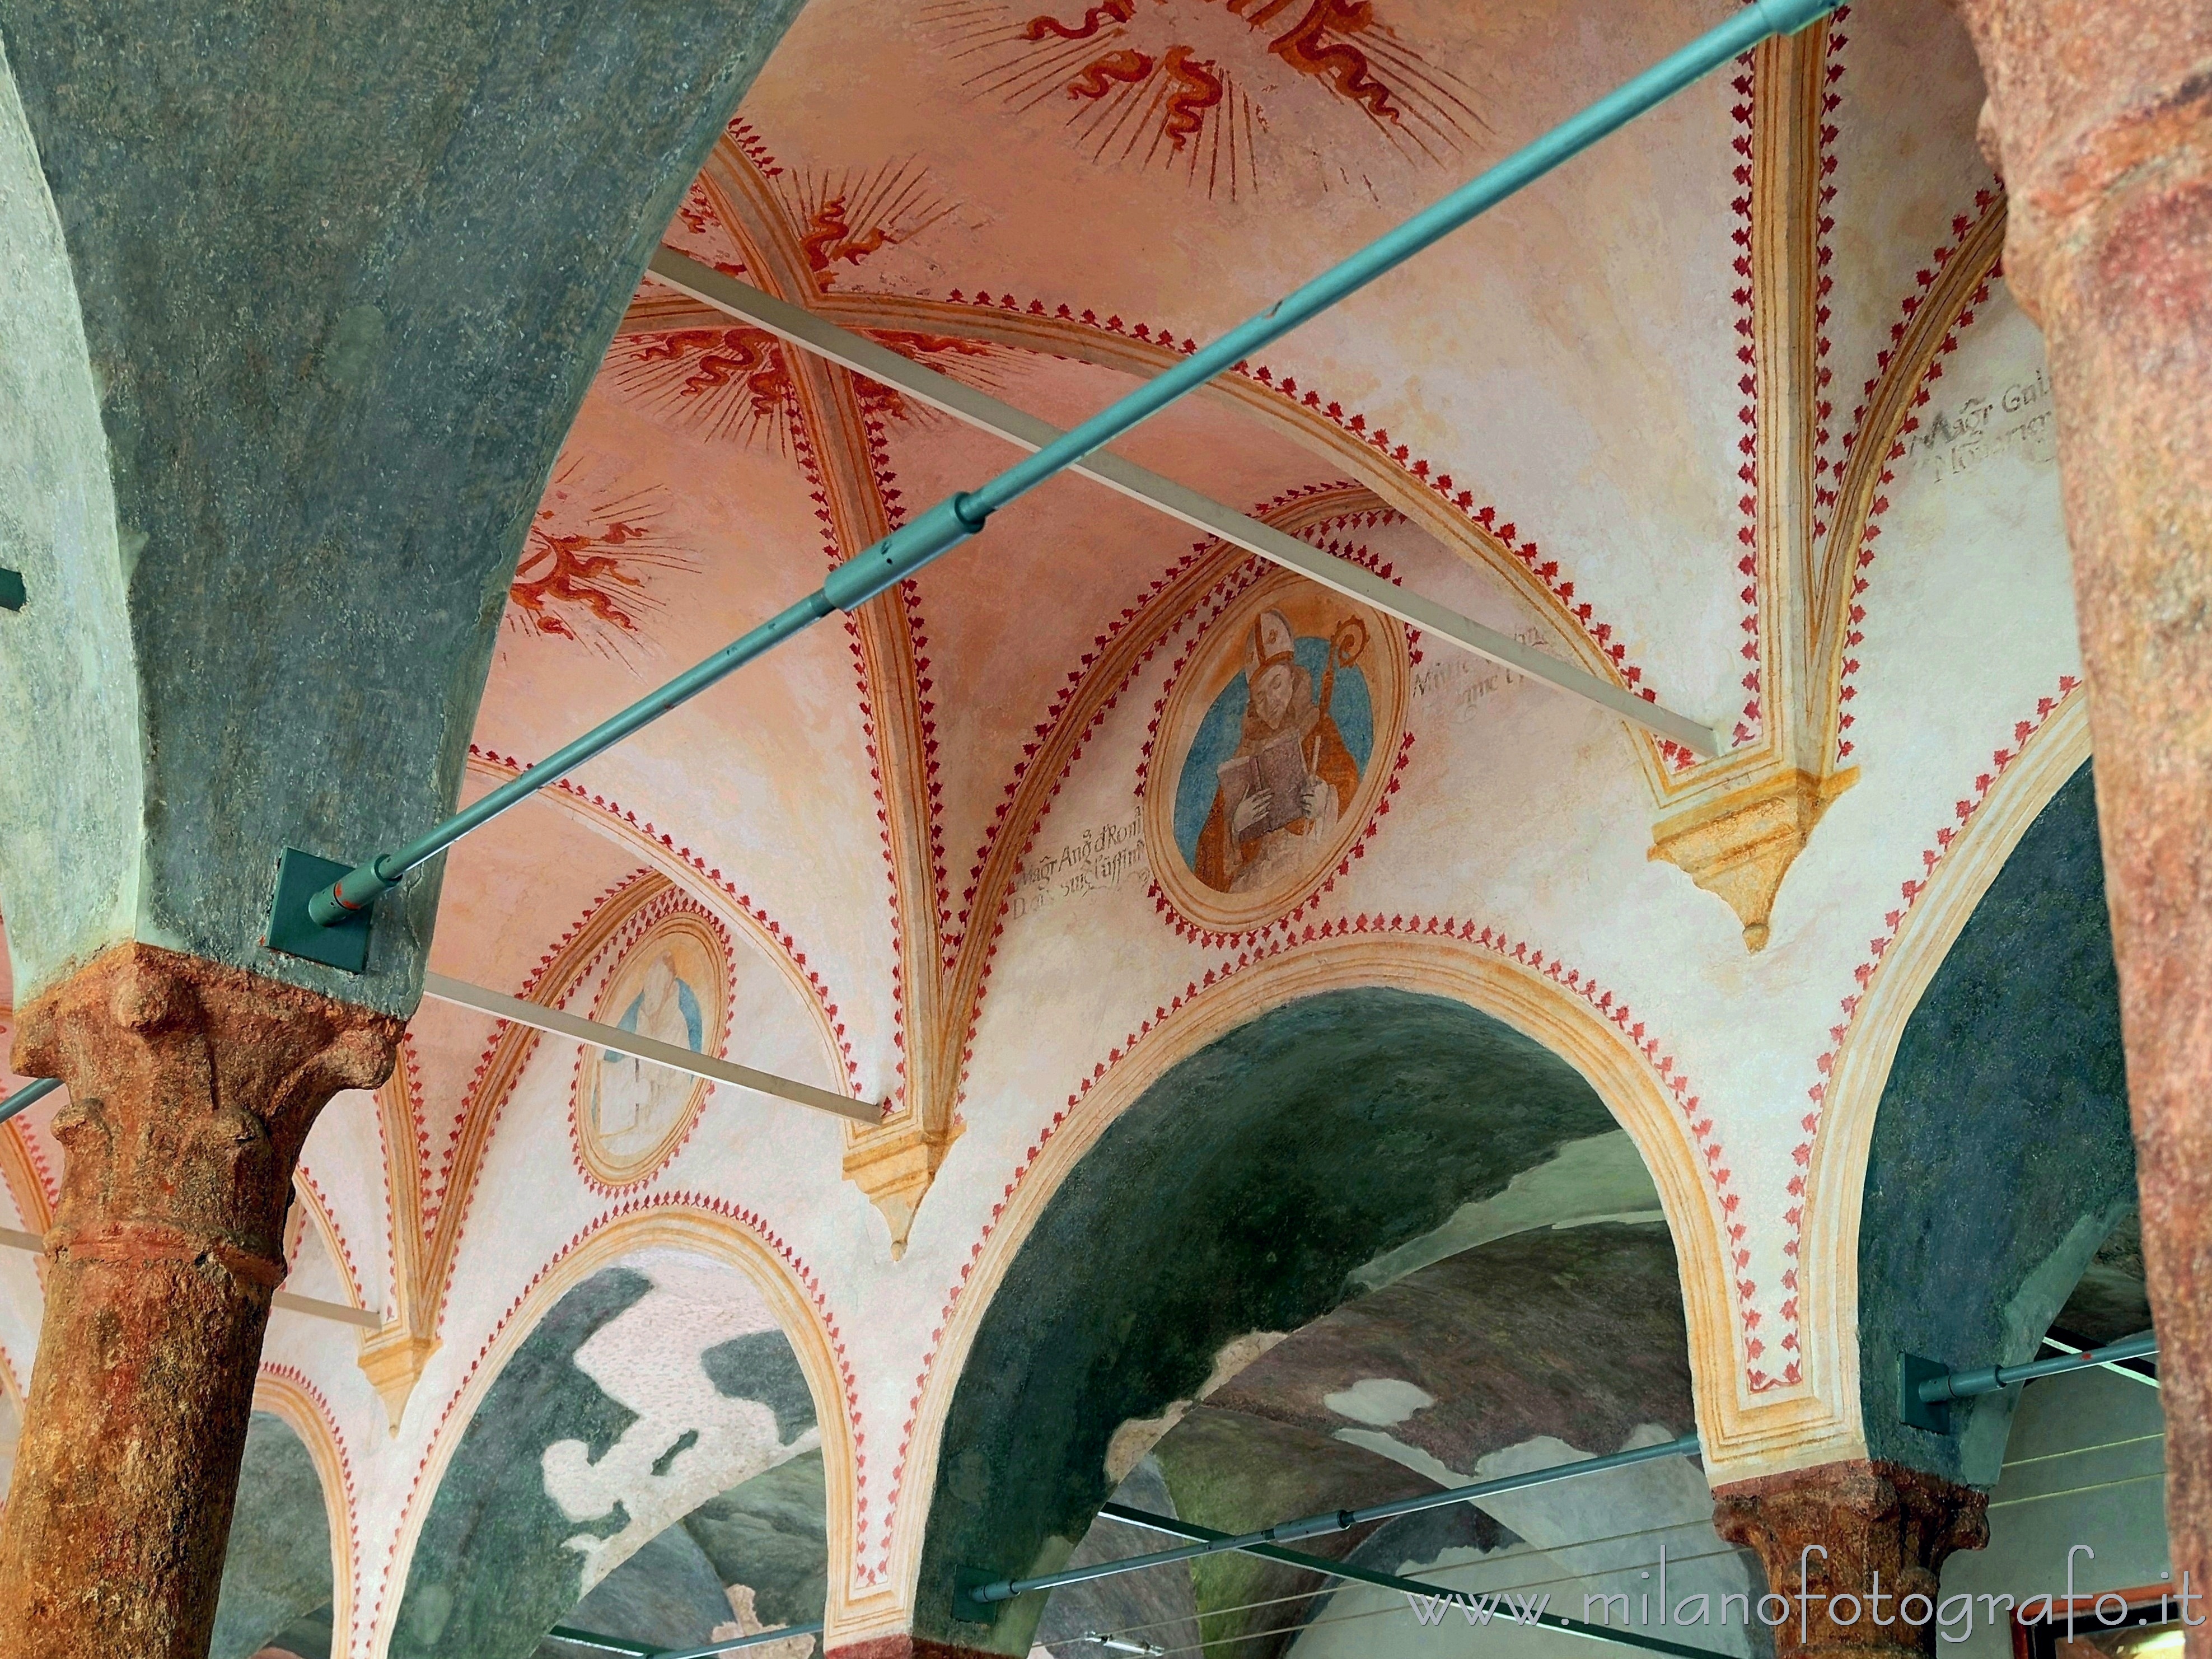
(1873, 1532)
(191, 1088)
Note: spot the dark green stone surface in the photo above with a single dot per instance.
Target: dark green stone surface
(2002, 1155)
(1237, 1195)
(344, 273)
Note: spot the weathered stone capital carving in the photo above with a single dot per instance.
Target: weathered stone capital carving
(1871, 1518)
(191, 1088)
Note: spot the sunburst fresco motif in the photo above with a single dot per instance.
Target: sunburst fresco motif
(1197, 87)
(587, 570)
(847, 216)
(715, 382)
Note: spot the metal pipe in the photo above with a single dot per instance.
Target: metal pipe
(1317, 1526)
(29, 1096)
(584, 1638)
(560, 1023)
(953, 520)
(802, 328)
(736, 1643)
(1965, 1385)
(1389, 1581)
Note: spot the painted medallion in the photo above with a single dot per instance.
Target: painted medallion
(672, 984)
(1275, 738)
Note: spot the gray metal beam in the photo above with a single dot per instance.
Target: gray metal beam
(563, 1024)
(343, 1313)
(584, 1638)
(980, 410)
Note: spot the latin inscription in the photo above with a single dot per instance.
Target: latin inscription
(1457, 680)
(2017, 421)
(1104, 858)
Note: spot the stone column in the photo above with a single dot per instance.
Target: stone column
(2099, 117)
(191, 1087)
(1886, 1531)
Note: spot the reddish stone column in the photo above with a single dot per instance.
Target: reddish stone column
(191, 1089)
(2100, 116)
(1886, 1531)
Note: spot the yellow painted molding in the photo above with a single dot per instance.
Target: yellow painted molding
(1889, 405)
(392, 1359)
(309, 1209)
(510, 1054)
(299, 1410)
(894, 1164)
(1739, 847)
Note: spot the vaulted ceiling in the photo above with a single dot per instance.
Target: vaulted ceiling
(1734, 412)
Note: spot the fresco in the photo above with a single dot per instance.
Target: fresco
(594, 543)
(1201, 90)
(1560, 1335)
(1240, 1194)
(648, 1391)
(672, 985)
(1276, 735)
(749, 1559)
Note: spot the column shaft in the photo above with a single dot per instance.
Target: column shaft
(2099, 117)
(191, 1088)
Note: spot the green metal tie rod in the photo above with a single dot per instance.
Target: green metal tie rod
(981, 1595)
(1391, 1580)
(952, 521)
(1966, 1385)
(29, 1094)
(1926, 1387)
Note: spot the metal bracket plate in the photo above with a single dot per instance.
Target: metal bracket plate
(1933, 1415)
(12, 596)
(294, 933)
(965, 1607)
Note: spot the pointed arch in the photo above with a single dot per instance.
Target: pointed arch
(1564, 1014)
(286, 1395)
(707, 1229)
